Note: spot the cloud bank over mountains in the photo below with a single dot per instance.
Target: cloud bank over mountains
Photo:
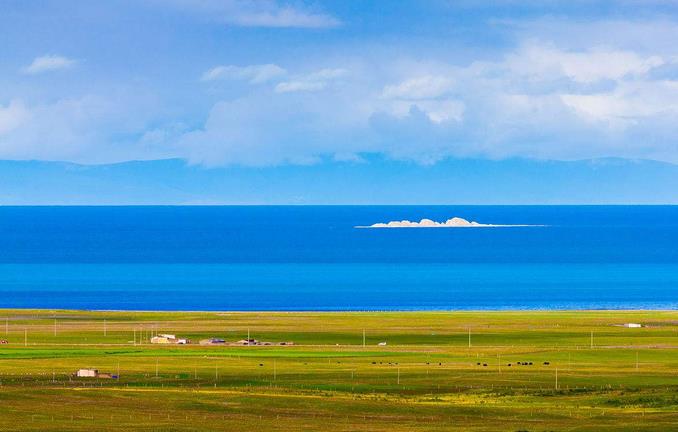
(275, 83)
(538, 100)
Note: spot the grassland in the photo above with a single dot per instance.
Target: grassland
(430, 376)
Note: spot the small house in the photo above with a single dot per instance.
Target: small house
(169, 339)
(161, 339)
(87, 373)
(632, 325)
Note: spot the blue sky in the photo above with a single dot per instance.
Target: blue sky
(269, 83)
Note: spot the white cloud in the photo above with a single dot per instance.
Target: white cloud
(262, 13)
(48, 63)
(254, 74)
(627, 105)
(424, 87)
(286, 17)
(311, 82)
(300, 86)
(542, 61)
(430, 94)
(537, 100)
(12, 116)
(443, 111)
(88, 128)
(547, 96)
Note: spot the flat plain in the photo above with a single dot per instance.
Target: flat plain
(346, 371)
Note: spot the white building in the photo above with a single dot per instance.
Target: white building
(87, 373)
(632, 325)
(165, 338)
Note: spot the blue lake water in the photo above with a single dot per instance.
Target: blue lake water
(312, 258)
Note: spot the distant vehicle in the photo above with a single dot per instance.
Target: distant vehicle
(3, 341)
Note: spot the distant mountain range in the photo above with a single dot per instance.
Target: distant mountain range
(373, 181)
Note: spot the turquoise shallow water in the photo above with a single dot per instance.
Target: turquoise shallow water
(311, 258)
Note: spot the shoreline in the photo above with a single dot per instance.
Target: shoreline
(347, 311)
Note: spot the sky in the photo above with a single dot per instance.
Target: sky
(276, 83)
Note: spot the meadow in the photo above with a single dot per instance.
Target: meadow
(467, 371)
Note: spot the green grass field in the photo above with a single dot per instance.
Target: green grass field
(430, 376)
